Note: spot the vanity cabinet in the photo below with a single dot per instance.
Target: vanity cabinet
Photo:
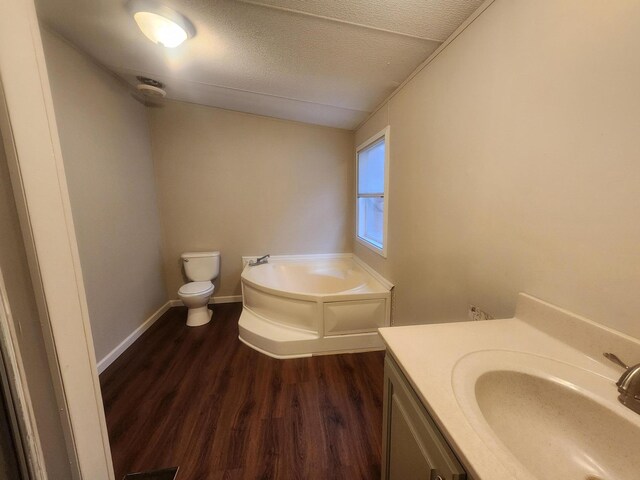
(412, 446)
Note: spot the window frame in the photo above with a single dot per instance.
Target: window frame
(385, 134)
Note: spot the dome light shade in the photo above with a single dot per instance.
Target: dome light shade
(160, 29)
(160, 24)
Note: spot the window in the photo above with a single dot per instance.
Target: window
(372, 171)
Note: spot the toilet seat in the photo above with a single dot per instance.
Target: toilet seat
(196, 288)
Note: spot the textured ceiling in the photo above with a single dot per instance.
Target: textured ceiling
(326, 62)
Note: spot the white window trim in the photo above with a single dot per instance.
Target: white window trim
(386, 134)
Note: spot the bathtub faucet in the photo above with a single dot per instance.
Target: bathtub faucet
(260, 261)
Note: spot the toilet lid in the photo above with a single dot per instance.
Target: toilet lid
(195, 288)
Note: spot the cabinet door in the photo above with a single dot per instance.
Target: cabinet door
(407, 459)
(413, 447)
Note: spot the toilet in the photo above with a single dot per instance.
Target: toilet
(201, 268)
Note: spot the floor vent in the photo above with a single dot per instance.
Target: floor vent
(164, 474)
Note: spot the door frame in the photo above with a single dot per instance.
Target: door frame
(30, 136)
(22, 420)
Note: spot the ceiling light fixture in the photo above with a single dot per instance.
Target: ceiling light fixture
(160, 24)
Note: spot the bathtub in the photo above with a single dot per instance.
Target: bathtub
(298, 306)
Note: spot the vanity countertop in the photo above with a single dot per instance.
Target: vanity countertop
(428, 354)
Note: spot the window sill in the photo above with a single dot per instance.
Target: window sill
(380, 251)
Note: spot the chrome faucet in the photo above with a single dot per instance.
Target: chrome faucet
(628, 384)
(259, 261)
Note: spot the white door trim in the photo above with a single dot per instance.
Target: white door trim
(28, 123)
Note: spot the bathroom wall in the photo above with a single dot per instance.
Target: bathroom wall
(106, 149)
(17, 280)
(514, 167)
(248, 185)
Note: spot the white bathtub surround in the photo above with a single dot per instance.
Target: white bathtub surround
(303, 305)
(526, 397)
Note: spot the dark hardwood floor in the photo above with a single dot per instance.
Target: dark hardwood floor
(200, 399)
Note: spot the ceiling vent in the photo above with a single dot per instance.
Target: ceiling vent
(150, 87)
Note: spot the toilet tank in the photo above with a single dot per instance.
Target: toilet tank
(201, 266)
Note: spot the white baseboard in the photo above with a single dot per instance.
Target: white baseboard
(126, 343)
(212, 300)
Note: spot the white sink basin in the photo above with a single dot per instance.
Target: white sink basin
(556, 420)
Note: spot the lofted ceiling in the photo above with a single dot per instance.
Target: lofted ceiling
(327, 62)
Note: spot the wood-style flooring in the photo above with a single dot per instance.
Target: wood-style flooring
(200, 399)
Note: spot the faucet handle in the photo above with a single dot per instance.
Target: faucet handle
(614, 358)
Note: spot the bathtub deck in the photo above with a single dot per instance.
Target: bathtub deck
(200, 399)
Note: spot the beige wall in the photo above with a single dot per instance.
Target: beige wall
(15, 271)
(107, 155)
(248, 185)
(515, 167)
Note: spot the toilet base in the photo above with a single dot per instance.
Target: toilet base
(198, 316)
